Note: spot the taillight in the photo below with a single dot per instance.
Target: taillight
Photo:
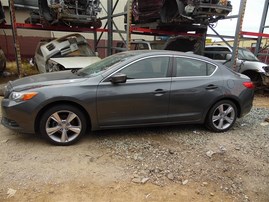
(249, 85)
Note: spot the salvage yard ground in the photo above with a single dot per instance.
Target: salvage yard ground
(179, 163)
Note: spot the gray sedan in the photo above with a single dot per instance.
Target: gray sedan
(129, 89)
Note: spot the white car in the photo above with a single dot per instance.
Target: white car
(68, 52)
(247, 63)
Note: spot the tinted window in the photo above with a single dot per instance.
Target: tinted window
(190, 67)
(155, 67)
(217, 53)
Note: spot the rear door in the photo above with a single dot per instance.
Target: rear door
(195, 85)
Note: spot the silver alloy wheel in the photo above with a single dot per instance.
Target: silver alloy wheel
(223, 116)
(63, 126)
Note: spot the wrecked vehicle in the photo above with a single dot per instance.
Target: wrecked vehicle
(180, 11)
(247, 63)
(68, 12)
(68, 52)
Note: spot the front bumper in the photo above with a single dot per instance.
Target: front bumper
(17, 117)
(265, 80)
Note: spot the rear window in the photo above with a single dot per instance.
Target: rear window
(217, 53)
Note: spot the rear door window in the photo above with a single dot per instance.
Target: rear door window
(187, 67)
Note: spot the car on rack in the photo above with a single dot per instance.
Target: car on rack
(68, 52)
(65, 12)
(128, 89)
(247, 63)
(179, 11)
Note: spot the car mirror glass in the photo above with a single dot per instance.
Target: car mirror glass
(118, 78)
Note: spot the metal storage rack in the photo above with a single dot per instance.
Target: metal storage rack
(111, 27)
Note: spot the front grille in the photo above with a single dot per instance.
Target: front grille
(50, 47)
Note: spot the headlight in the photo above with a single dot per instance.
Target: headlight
(266, 69)
(18, 96)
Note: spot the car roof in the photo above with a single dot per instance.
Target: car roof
(145, 53)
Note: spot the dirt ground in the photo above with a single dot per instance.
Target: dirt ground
(179, 163)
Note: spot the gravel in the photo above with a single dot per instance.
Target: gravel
(191, 153)
(235, 162)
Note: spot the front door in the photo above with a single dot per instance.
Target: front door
(143, 99)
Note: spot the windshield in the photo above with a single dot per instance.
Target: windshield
(103, 65)
(244, 54)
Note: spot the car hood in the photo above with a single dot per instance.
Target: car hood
(256, 65)
(75, 62)
(41, 80)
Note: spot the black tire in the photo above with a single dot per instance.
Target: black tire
(63, 132)
(222, 116)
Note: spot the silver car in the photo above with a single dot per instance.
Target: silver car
(128, 89)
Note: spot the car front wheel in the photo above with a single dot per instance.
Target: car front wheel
(221, 116)
(63, 125)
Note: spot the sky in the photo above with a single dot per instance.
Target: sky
(252, 19)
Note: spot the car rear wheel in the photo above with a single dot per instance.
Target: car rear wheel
(222, 116)
(63, 125)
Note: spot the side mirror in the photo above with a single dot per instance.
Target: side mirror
(118, 78)
(228, 56)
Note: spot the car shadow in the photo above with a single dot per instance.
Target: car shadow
(145, 132)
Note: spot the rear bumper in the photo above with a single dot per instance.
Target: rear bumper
(247, 98)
